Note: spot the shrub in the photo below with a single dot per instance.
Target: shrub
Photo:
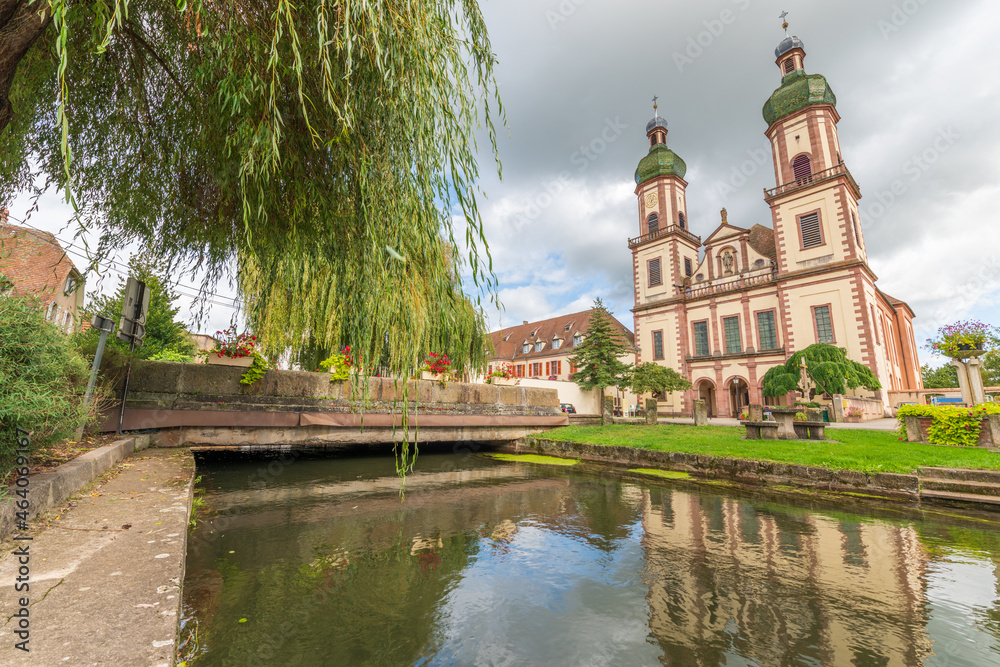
(950, 425)
(42, 379)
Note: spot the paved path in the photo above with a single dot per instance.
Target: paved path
(874, 425)
(105, 570)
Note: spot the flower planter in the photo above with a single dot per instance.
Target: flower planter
(239, 362)
(853, 419)
(434, 377)
(504, 382)
(966, 352)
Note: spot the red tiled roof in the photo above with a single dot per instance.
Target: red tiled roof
(508, 342)
(33, 261)
(762, 240)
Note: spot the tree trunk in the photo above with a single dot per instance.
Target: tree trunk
(21, 22)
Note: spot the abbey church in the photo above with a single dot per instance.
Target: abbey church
(725, 310)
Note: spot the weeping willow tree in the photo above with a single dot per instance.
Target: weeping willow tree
(323, 148)
(828, 368)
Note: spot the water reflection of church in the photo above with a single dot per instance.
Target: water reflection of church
(729, 578)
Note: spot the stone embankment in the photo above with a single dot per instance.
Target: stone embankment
(949, 485)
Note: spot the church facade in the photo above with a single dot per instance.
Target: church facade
(725, 310)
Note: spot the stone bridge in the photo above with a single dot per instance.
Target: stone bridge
(205, 405)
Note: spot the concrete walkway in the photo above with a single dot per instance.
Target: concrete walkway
(874, 425)
(105, 570)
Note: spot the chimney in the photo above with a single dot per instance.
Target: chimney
(524, 322)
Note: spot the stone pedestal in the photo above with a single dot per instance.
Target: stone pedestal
(651, 411)
(970, 380)
(913, 431)
(814, 414)
(756, 412)
(700, 413)
(609, 410)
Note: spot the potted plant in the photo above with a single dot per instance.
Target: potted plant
(502, 375)
(853, 415)
(968, 338)
(436, 367)
(233, 349)
(338, 364)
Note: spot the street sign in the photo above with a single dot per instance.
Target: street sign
(132, 326)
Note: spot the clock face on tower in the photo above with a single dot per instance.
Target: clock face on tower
(650, 199)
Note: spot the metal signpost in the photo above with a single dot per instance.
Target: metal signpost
(105, 326)
(132, 329)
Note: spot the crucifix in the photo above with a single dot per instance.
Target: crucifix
(784, 21)
(655, 105)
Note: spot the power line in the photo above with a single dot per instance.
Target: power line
(111, 264)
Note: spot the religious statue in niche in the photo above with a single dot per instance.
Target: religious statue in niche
(728, 262)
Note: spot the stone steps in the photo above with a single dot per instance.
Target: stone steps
(963, 474)
(959, 486)
(964, 497)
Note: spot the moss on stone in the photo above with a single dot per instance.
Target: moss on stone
(535, 458)
(665, 474)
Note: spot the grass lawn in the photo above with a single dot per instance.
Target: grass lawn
(867, 451)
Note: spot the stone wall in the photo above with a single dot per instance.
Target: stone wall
(209, 405)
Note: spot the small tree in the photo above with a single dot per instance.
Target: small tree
(597, 357)
(943, 377)
(166, 337)
(827, 367)
(651, 378)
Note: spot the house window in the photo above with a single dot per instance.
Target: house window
(519, 370)
(801, 167)
(70, 286)
(701, 339)
(652, 223)
(812, 233)
(767, 334)
(731, 327)
(824, 326)
(526, 348)
(68, 323)
(682, 221)
(572, 368)
(857, 234)
(556, 343)
(553, 368)
(657, 345)
(536, 369)
(539, 346)
(688, 270)
(655, 276)
(51, 317)
(577, 339)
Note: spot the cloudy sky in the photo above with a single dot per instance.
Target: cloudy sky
(916, 88)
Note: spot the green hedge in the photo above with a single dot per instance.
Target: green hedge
(950, 425)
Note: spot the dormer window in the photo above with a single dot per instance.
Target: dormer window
(70, 286)
(539, 345)
(526, 348)
(556, 343)
(577, 339)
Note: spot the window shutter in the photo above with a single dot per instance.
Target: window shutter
(683, 222)
(789, 65)
(812, 235)
(655, 276)
(801, 167)
(687, 267)
(653, 223)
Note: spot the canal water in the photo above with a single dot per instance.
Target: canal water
(486, 562)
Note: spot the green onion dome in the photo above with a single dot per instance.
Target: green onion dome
(797, 91)
(660, 161)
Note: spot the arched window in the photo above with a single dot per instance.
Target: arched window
(801, 167)
(652, 223)
(51, 317)
(682, 220)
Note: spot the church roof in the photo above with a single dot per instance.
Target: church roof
(762, 240)
(787, 44)
(660, 161)
(797, 91)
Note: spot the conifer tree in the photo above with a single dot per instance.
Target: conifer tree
(597, 357)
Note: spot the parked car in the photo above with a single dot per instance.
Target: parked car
(567, 408)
